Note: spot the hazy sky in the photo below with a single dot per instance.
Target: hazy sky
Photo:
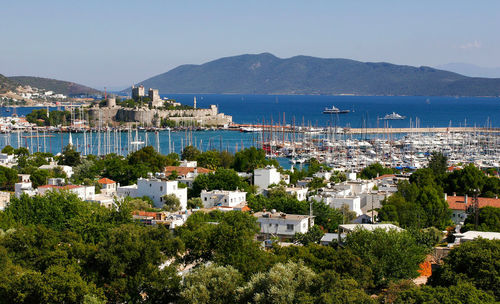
(116, 43)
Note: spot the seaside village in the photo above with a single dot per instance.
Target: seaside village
(360, 198)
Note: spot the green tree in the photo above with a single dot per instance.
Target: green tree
(374, 170)
(8, 177)
(314, 235)
(250, 159)
(171, 203)
(488, 220)
(222, 179)
(194, 203)
(316, 183)
(392, 255)
(211, 284)
(475, 262)
(39, 177)
(438, 163)
(8, 150)
(283, 283)
(209, 159)
(190, 153)
(70, 157)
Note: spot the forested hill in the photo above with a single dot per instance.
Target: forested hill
(58, 86)
(6, 84)
(268, 74)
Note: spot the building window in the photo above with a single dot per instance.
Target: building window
(161, 188)
(149, 185)
(270, 225)
(205, 198)
(289, 227)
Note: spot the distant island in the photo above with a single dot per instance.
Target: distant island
(268, 74)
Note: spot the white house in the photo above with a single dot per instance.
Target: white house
(283, 225)
(67, 169)
(300, 193)
(26, 187)
(86, 193)
(108, 186)
(264, 177)
(222, 198)
(6, 159)
(353, 202)
(4, 199)
(155, 189)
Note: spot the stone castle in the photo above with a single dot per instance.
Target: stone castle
(151, 116)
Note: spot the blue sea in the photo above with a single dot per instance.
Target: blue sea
(298, 109)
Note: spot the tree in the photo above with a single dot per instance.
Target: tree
(392, 255)
(475, 262)
(488, 220)
(314, 235)
(190, 153)
(283, 283)
(8, 177)
(22, 151)
(222, 179)
(374, 170)
(438, 163)
(462, 293)
(465, 181)
(316, 183)
(39, 177)
(70, 157)
(139, 204)
(209, 159)
(194, 203)
(211, 284)
(8, 150)
(128, 262)
(251, 159)
(171, 203)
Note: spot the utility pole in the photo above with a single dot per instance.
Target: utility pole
(476, 208)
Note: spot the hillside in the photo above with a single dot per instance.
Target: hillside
(58, 86)
(268, 74)
(6, 84)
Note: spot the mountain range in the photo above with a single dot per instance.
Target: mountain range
(267, 74)
(58, 86)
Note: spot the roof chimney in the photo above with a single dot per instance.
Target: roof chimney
(465, 199)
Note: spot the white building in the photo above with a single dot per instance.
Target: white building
(283, 225)
(67, 169)
(300, 193)
(108, 186)
(222, 198)
(4, 199)
(264, 177)
(86, 193)
(353, 202)
(155, 189)
(6, 159)
(26, 187)
(472, 235)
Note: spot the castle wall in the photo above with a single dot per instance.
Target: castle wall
(152, 117)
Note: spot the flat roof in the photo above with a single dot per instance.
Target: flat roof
(470, 235)
(278, 215)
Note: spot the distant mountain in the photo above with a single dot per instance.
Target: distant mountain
(471, 70)
(268, 74)
(57, 86)
(6, 84)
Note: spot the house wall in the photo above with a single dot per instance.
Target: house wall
(279, 226)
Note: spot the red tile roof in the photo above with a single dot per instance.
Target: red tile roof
(182, 171)
(105, 180)
(67, 187)
(458, 202)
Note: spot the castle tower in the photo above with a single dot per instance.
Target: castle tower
(194, 102)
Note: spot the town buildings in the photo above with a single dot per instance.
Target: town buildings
(155, 189)
(282, 225)
(223, 198)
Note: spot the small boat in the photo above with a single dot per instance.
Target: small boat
(393, 116)
(250, 129)
(334, 110)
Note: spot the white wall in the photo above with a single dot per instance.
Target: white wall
(264, 177)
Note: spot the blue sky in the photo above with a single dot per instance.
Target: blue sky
(116, 43)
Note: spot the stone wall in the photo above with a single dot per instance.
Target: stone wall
(152, 117)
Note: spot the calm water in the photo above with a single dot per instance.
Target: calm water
(430, 111)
